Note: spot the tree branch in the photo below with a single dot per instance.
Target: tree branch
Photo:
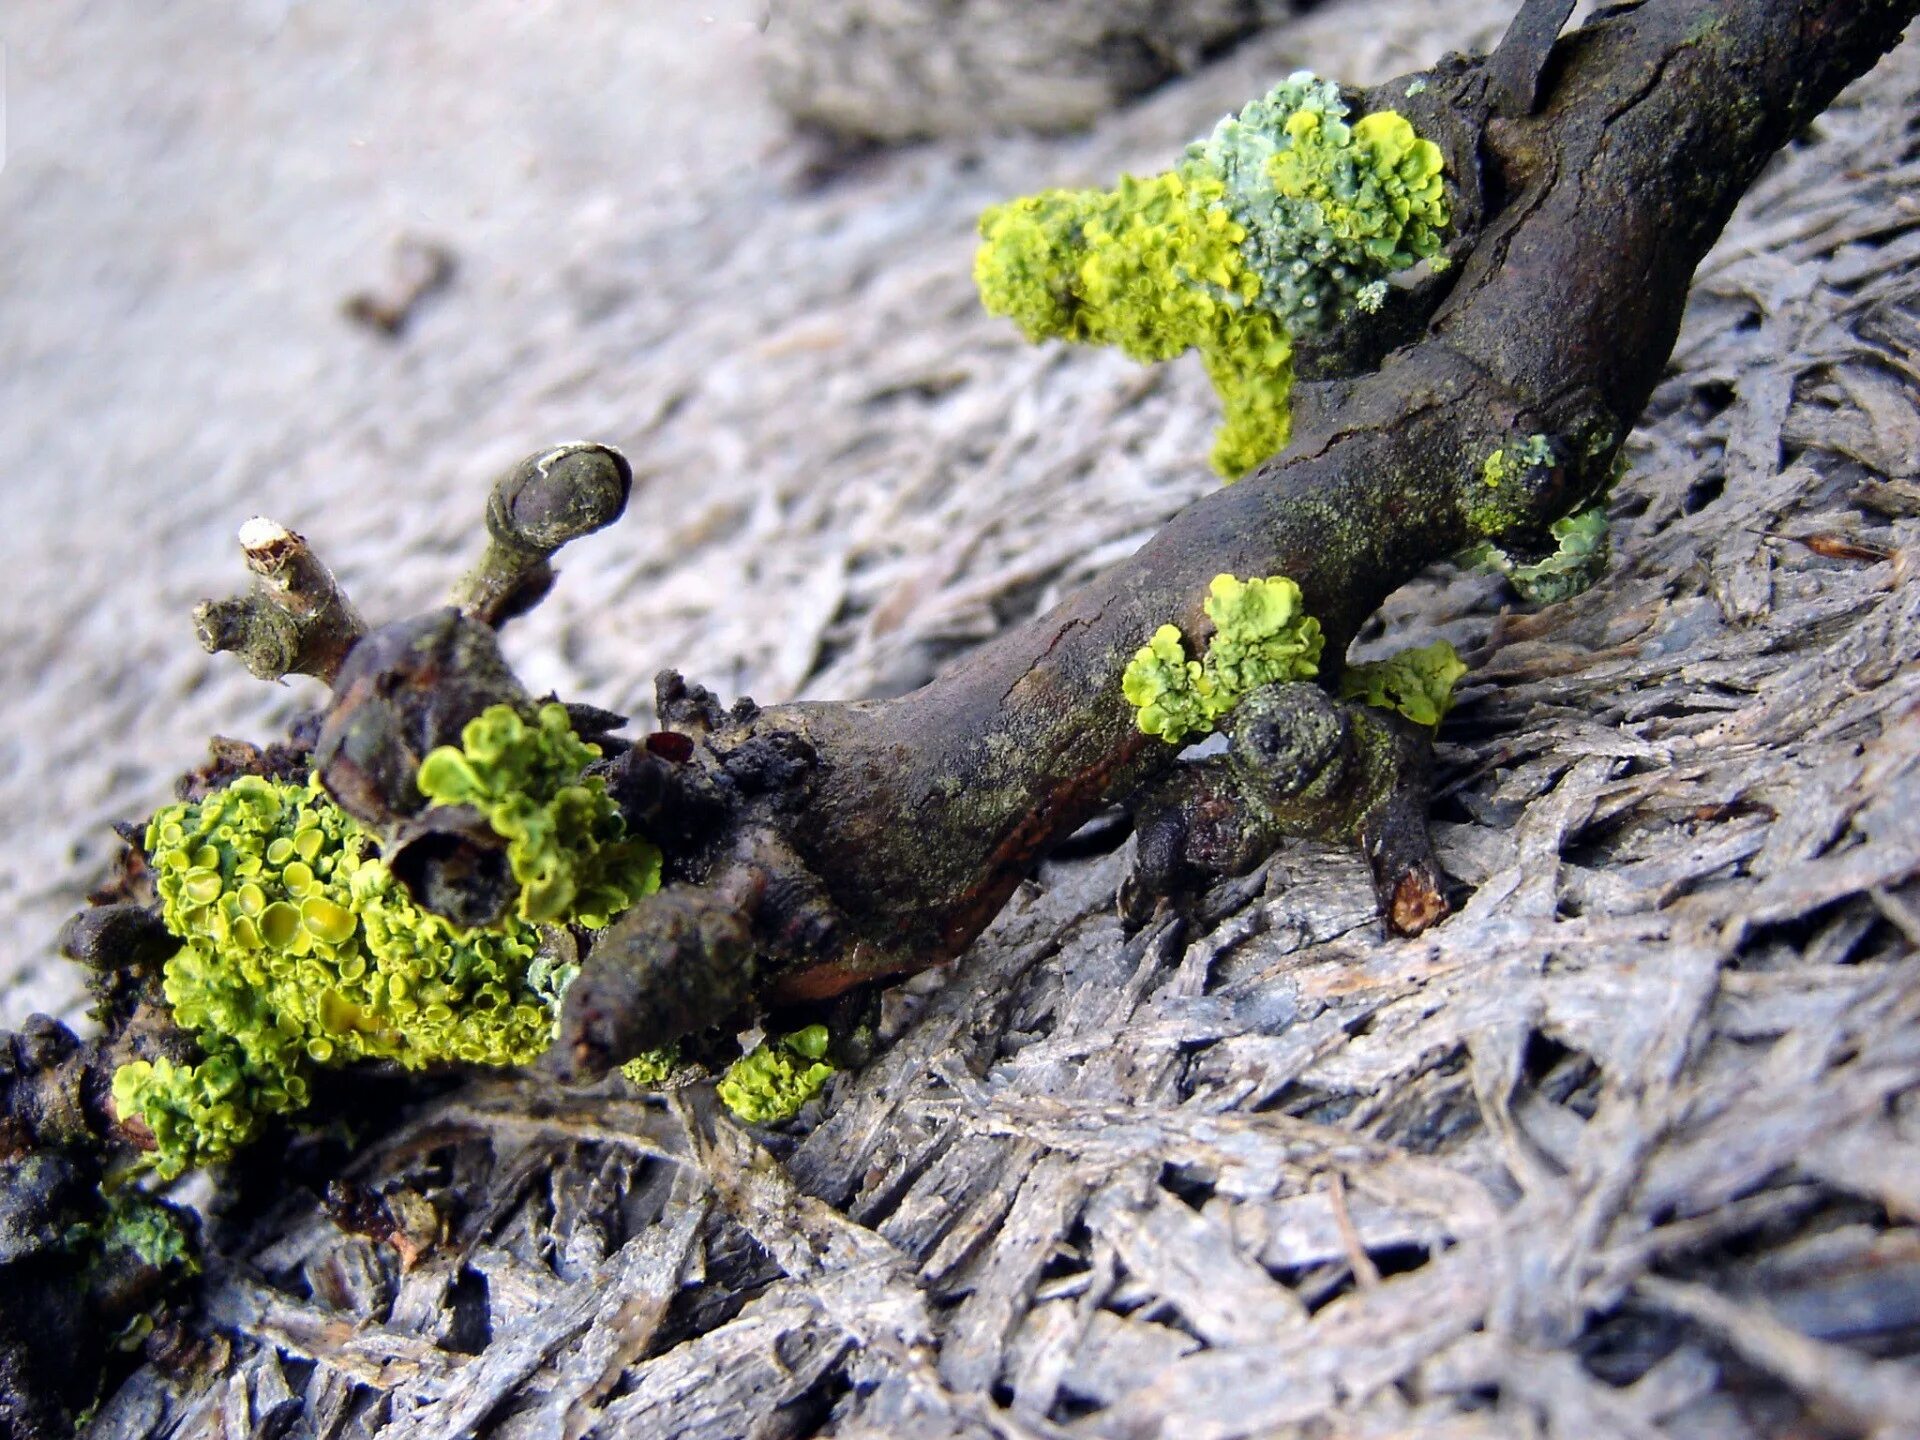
(916, 817)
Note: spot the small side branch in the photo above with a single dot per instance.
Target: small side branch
(295, 620)
(1301, 765)
(538, 506)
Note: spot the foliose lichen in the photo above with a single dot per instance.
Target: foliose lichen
(568, 846)
(1582, 545)
(1262, 635)
(1274, 226)
(300, 949)
(1417, 682)
(772, 1081)
(152, 1230)
(650, 1068)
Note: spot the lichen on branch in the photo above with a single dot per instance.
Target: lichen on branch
(1417, 683)
(1281, 223)
(301, 949)
(567, 845)
(1582, 544)
(1262, 635)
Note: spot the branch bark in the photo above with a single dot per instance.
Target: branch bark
(917, 817)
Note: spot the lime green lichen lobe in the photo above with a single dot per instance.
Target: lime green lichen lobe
(652, 1068)
(1262, 635)
(568, 847)
(774, 1080)
(1508, 463)
(1417, 682)
(1276, 225)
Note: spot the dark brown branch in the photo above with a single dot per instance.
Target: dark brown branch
(541, 504)
(921, 814)
(295, 620)
(1301, 765)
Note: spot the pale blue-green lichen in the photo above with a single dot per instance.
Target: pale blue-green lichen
(1262, 635)
(1417, 682)
(300, 949)
(1581, 549)
(1510, 461)
(1504, 496)
(771, 1082)
(1274, 226)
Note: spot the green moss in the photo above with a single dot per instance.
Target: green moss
(1262, 635)
(301, 950)
(1276, 225)
(770, 1083)
(1418, 682)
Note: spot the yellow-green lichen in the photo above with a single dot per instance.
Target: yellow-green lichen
(1153, 268)
(568, 847)
(1582, 545)
(650, 1069)
(771, 1082)
(1509, 462)
(300, 949)
(1262, 635)
(1418, 682)
(132, 1220)
(1274, 226)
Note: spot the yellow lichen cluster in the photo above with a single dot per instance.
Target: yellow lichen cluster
(1278, 224)
(771, 1082)
(1417, 682)
(1154, 268)
(1262, 635)
(300, 949)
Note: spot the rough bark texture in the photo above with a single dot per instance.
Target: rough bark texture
(1626, 1147)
